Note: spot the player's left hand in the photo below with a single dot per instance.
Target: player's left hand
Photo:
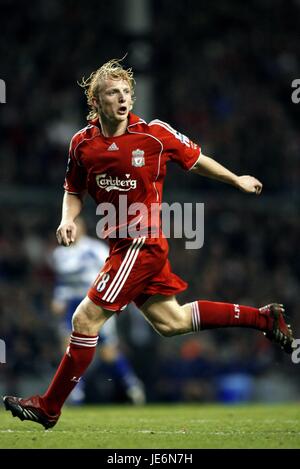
(249, 184)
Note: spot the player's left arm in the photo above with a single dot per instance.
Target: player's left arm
(206, 166)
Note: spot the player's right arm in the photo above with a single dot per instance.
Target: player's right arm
(75, 187)
(71, 208)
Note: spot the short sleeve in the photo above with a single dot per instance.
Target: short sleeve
(76, 177)
(178, 147)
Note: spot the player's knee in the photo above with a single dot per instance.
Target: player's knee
(79, 320)
(87, 318)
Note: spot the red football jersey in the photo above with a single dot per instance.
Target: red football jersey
(132, 164)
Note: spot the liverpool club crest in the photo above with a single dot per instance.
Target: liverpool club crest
(138, 158)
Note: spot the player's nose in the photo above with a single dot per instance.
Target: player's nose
(122, 98)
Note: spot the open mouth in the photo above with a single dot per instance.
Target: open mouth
(122, 110)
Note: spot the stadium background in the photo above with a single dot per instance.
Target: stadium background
(220, 72)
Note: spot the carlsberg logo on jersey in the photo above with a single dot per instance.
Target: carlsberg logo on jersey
(115, 184)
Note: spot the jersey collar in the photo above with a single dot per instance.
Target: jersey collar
(133, 119)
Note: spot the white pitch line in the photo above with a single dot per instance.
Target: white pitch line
(157, 432)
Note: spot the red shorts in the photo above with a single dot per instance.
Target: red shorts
(135, 270)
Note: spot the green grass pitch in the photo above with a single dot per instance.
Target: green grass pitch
(160, 426)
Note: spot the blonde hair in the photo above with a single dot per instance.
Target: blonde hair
(110, 70)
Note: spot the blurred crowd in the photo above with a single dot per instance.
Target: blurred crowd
(248, 258)
(222, 74)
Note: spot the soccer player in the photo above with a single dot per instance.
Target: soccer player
(119, 154)
(76, 267)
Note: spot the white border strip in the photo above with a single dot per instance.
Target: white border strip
(119, 271)
(127, 271)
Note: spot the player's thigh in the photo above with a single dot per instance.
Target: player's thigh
(166, 314)
(88, 317)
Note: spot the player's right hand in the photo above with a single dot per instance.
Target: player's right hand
(66, 233)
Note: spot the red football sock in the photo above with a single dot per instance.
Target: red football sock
(77, 358)
(210, 315)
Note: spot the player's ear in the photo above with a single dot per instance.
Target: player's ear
(96, 103)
